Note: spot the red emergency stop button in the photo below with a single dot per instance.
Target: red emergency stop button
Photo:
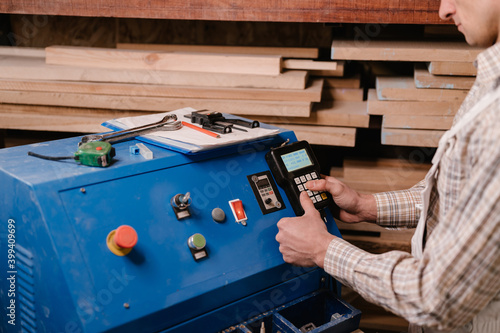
(238, 211)
(125, 237)
(122, 240)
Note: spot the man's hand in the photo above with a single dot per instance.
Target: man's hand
(354, 207)
(305, 239)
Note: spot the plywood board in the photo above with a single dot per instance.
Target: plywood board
(417, 122)
(285, 52)
(424, 79)
(311, 94)
(452, 68)
(325, 135)
(381, 50)
(140, 103)
(165, 61)
(377, 107)
(410, 137)
(35, 68)
(402, 88)
(343, 114)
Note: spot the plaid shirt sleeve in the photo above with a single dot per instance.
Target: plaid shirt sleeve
(399, 209)
(458, 274)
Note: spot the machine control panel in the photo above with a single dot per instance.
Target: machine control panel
(293, 165)
(266, 192)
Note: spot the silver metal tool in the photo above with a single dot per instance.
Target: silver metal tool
(167, 123)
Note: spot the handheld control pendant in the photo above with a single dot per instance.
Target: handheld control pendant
(292, 166)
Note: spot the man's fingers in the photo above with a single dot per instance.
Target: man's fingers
(328, 184)
(306, 202)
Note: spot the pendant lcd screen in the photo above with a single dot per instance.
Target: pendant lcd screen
(296, 160)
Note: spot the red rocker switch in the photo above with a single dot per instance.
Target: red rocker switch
(238, 211)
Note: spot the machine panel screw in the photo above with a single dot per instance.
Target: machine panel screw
(126, 305)
(82, 190)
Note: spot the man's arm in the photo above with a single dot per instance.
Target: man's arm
(396, 209)
(455, 279)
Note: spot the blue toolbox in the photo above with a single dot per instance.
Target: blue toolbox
(175, 243)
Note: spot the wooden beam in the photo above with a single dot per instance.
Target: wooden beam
(17, 51)
(311, 94)
(343, 94)
(324, 135)
(409, 137)
(344, 114)
(425, 51)
(417, 122)
(57, 119)
(459, 68)
(377, 12)
(425, 108)
(141, 103)
(285, 52)
(35, 68)
(424, 79)
(166, 61)
(309, 64)
(403, 89)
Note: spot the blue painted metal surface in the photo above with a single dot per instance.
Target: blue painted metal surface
(67, 280)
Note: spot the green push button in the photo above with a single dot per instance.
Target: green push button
(197, 242)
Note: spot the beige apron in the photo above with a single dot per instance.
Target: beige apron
(488, 320)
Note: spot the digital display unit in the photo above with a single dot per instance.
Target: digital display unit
(296, 160)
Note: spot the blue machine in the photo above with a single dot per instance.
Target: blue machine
(153, 245)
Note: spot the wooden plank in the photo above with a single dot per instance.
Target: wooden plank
(382, 50)
(36, 69)
(285, 52)
(309, 64)
(352, 82)
(424, 79)
(166, 61)
(311, 94)
(459, 68)
(343, 114)
(402, 88)
(57, 119)
(390, 171)
(425, 108)
(320, 11)
(343, 94)
(18, 51)
(141, 103)
(324, 135)
(410, 137)
(417, 122)
(339, 72)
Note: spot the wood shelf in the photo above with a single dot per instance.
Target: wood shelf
(318, 11)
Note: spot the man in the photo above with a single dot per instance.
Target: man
(451, 281)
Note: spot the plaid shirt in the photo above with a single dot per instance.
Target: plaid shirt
(459, 273)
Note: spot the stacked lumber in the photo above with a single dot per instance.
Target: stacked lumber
(416, 110)
(334, 120)
(77, 88)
